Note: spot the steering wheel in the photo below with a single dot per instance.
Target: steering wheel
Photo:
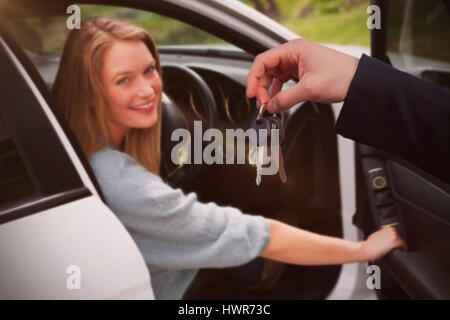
(198, 103)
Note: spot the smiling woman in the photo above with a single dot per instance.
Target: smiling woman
(112, 87)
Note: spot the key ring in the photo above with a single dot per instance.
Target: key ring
(261, 110)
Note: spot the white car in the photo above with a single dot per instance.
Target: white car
(59, 240)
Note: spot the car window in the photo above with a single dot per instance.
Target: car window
(15, 182)
(418, 34)
(34, 176)
(44, 35)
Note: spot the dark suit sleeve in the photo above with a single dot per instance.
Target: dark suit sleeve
(400, 114)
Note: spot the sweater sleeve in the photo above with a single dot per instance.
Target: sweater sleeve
(174, 230)
(400, 114)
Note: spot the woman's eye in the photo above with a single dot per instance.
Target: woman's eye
(150, 69)
(123, 80)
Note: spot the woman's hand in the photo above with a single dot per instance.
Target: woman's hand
(292, 245)
(380, 243)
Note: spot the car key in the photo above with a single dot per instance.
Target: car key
(276, 124)
(259, 163)
(260, 123)
(268, 123)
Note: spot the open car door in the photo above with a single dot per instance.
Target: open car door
(392, 192)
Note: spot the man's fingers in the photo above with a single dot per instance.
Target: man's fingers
(262, 95)
(260, 90)
(265, 61)
(287, 98)
(277, 84)
(252, 85)
(256, 74)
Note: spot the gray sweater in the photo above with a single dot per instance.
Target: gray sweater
(175, 232)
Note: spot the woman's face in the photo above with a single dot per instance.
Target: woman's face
(132, 85)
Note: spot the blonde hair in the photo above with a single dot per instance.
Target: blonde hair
(79, 93)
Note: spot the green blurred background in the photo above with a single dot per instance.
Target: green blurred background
(326, 21)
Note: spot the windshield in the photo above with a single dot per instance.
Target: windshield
(418, 34)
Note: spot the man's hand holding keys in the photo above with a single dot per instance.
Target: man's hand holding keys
(324, 75)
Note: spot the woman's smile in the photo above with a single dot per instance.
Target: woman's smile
(145, 108)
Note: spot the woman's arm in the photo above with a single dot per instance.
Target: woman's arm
(297, 246)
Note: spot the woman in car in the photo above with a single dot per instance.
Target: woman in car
(109, 88)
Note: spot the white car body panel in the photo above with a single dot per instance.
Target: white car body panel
(37, 250)
(351, 284)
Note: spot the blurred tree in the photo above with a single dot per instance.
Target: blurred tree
(269, 7)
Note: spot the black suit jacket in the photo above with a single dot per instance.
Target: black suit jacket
(400, 114)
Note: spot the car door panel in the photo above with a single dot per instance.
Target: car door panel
(420, 193)
(425, 216)
(418, 206)
(422, 275)
(39, 254)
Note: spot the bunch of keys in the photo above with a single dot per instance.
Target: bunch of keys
(268, 123)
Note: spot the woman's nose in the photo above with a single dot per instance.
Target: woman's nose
(145, 89)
